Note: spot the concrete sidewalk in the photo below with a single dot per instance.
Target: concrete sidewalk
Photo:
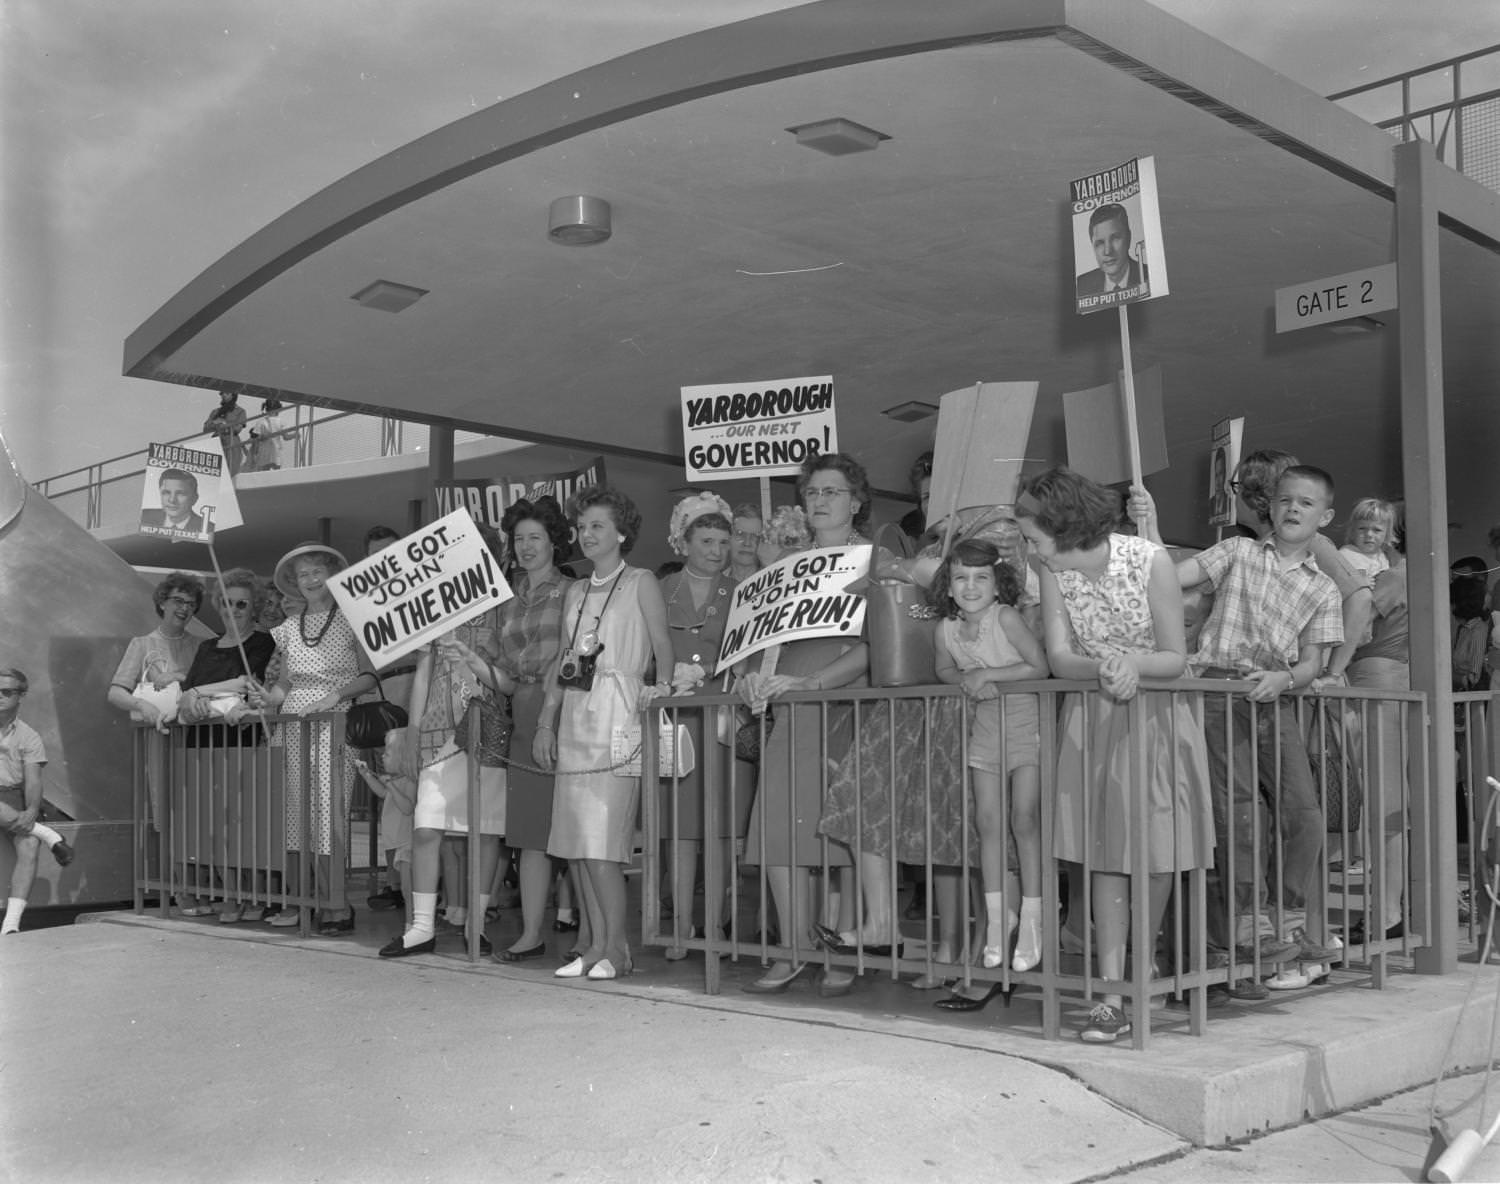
(138, 1052)
(253, 1055)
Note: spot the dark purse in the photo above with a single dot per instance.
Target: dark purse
(365, 724)
(495, 727)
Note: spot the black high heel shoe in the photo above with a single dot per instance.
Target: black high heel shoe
(964, 1003)
(833, 940)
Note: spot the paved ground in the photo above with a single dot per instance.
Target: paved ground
(190, 1051)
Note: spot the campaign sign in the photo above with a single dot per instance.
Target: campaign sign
(487, 499)
(1223, 460)
(756, 429)
(181, 494)
(802, 595)
(1117, 251)
(416, 590)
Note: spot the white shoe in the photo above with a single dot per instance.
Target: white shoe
(573, 969)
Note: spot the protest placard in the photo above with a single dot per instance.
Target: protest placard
(416, 590)
(488, 498)
(1116, 225)
(1223, 459)
(181, 494)
(980, 447)
(756, 429)
(1099, 436)
(802, 595)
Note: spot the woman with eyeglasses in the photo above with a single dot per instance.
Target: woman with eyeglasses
(216, 694)
(697, 599)
(148, 678)
(747, 528)
(805, 740)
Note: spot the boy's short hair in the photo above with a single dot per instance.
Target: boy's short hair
(1308, 473)
(1257, 475)
(15, 675)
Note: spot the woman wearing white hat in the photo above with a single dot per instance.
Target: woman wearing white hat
(322, 669)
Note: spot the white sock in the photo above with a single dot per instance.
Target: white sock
(44, 832)
(564, 914)
(1029, 944)
(423, 913)
(457, 914)
(484, 903)
(14, 907)
(994, 911)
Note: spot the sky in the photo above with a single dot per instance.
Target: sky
(142, 140)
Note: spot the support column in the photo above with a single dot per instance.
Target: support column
(439, 466)
(1434, 839)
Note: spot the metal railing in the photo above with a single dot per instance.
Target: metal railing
(904, 754)
(109, 491)
(1453, 104)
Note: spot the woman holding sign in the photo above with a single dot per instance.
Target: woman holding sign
(784, 819)
(322, 669)
(614, 624)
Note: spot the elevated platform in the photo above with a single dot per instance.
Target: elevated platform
(1262, 1066)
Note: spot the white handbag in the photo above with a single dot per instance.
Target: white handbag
(675, 754)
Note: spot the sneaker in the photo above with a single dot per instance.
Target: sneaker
(1248, 988)
(1304, 975)
(387, 900)
(1309, 950)
(1106, 1024)
(62, 851)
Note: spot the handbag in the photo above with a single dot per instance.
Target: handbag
(1333, 767)
(903, 629)
(165, 699)
(675, 754)
(365, 724)
(495, 727)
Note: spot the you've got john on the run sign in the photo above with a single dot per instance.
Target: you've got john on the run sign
(416, 590)
(760, 429)
(803, 595)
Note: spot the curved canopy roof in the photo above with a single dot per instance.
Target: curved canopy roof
(940, 258)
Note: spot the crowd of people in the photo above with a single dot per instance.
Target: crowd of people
(821, 796)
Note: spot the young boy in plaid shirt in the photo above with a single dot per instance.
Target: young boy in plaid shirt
(1275, 617)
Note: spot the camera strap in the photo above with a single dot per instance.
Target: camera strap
(583, 604)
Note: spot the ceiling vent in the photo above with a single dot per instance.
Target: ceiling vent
(578, 221)
(388, 296)
(838, 137)
(911, 411)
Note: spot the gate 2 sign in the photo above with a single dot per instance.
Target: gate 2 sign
(1337, 298)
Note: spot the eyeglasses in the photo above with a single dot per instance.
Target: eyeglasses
(181, 601)
(237, 604)
(827, 492)
(747, 536)
(7, 692)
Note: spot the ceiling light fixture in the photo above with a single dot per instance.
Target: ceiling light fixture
(1357, 326)
(578, 221)
(837, 137)
(388, 296)
(911, 411)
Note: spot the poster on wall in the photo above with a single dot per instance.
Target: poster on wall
(756, 429)
(487, 499)
(181, 495)
(416, 590)
(1117, 248)
(1223, 460)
